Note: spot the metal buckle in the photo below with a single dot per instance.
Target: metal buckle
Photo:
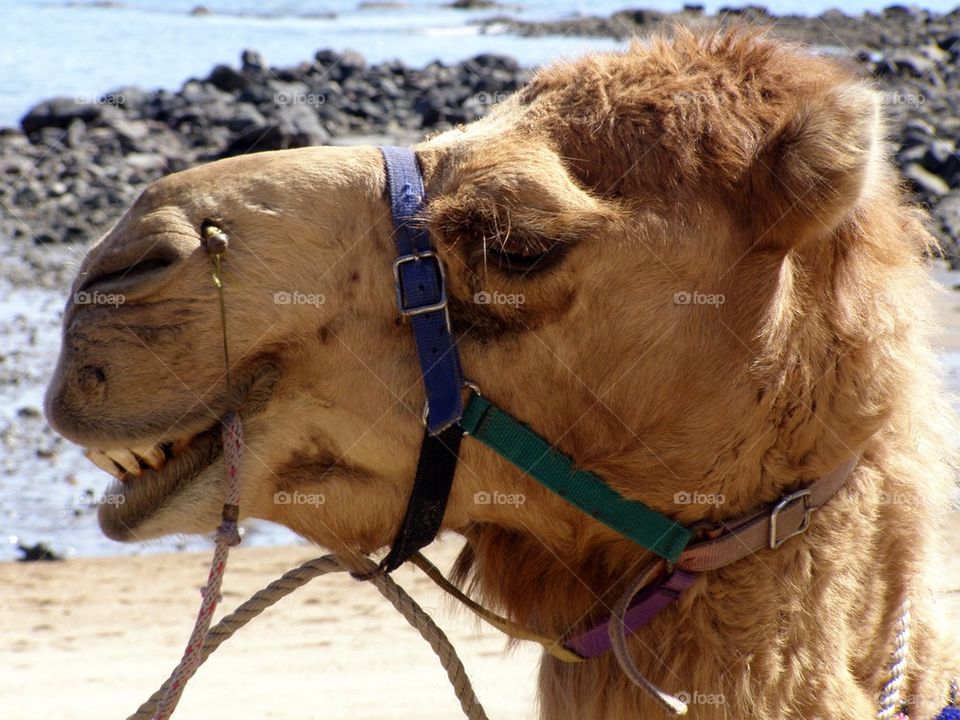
(419, 256)
(804, 494)
(469, 384)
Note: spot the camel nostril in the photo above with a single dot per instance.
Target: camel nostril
(91, 380)
(127, 275)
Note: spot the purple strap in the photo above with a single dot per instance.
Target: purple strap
(649, 601)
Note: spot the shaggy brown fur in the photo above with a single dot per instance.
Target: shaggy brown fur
(725, 165)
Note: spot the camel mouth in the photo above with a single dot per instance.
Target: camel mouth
(147, 478)
(164, 476)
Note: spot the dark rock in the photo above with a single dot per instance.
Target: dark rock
(75, 234)
(639, 17)
(924, 181)
(58, 113)
(947, 213)
(244, 117)
(253, 62)
(906, 64)
(747, 11)
(36, 553)
(227, 79)
(898, 12)
(131, 99)
(917, 131)
(950, 44)
(473, 4)
(325, 58)
(372, 111)
(348, 63)
(941, 159)
(290, 127)
(430, 108)
(490, 61)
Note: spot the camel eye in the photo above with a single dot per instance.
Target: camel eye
(524, 256)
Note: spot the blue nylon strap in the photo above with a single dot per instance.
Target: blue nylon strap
(421, 291)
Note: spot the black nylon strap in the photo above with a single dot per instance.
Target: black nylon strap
(428, 499)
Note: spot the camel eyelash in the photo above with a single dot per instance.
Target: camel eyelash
(511, 262)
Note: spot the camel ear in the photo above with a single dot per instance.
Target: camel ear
(520, 200)
(815, 166)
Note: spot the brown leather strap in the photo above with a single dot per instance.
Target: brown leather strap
(768, 527)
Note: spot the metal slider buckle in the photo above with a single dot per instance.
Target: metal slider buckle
(785, 503)
(420, 256)
(468, 384)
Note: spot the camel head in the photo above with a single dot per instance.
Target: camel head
(641, 248)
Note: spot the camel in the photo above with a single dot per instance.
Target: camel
(688, 265)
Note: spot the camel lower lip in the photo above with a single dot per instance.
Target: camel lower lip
(126, 505)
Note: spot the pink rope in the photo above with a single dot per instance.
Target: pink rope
(227, 536)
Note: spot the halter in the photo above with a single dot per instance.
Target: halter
(422, 297)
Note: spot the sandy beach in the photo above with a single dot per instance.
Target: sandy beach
(93, 638)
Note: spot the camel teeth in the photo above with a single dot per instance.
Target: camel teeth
(180, 445)
(127, 460)
(100, 459)
(152, 456)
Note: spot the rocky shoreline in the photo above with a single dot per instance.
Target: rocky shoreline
(76, 163)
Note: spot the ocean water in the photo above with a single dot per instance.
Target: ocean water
(86, 48)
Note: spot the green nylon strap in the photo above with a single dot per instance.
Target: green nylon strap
(531, 453)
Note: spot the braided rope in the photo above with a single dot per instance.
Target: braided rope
(300, 576)
(437, 640)
(227, 536)
(890, 693)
